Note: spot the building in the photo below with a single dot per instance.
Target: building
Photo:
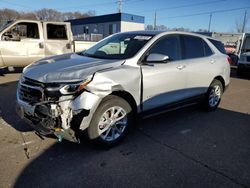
(97, 27)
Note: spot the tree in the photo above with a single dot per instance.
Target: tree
(43, 14)
(238, 25)
(49, 15)
(8, 15)
(158, 28)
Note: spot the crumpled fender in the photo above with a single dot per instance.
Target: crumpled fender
(99, 88)
(103, 84)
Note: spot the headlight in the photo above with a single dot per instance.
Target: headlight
(71, 89)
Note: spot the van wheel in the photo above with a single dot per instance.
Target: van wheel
(213, 96)
(111, 121)
(240, 72)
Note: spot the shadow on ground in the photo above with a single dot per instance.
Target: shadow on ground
(184, 148)
(7, 107)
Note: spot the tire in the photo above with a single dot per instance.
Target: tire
(115, 116)
(240, 72)
(213, 96)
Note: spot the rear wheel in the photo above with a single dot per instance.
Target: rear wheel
(213, 96)
(111, 121)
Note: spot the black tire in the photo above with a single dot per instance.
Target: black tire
(240, 72)
(211, 89)
(105, 105)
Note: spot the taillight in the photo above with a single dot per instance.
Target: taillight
(229, 60)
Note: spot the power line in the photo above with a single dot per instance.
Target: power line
(183, 6)
(205, 13)
(97, 4)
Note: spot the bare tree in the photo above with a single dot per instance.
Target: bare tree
(158, 27)
(43, 14)
(49, 15)
(239, 24)
(8, 15)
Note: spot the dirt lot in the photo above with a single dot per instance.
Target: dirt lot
(184, 148)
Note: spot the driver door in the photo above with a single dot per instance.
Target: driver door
(20, 44)
(164, 83)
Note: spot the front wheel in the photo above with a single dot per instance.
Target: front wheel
(213, 96)
(111, 121)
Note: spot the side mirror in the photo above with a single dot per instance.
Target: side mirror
(157, 58)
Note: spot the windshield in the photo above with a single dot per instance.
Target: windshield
(246, 44)
(119, 46)
(5, 25)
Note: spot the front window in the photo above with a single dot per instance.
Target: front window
(22, 30)
(169, 46)
(4, 26)
(120, 46)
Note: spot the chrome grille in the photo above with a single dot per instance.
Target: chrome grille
(30, 91)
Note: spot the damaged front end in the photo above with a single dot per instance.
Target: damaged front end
(57, 109)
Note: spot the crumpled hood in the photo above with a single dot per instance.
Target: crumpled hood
(67, 68)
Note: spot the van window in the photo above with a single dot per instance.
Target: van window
(169, 46)
(56, 32)
(218, 45)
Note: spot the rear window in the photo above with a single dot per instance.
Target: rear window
(218, 45)
(195, 47)
(56, 32)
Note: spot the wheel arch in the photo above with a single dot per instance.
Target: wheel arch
(127, 97)
(221, 79)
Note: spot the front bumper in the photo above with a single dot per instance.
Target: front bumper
(57, 117)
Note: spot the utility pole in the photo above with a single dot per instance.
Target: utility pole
(210, 19)
(119, 6)
(155, 21)
(244, 22)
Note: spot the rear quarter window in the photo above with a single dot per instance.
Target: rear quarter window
(218, 45)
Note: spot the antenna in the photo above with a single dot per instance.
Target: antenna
(119, 6)
(209, 24)
(155, 21)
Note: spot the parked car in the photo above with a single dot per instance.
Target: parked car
(243, 64)
(102, 89)
(25, 41)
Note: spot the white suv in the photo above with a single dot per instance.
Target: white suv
(102, 89)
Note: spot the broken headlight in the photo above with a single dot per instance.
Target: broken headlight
(71, 89)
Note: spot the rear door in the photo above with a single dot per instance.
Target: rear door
(57, 38)
(21, 43)
(199, 60)
(164, 83)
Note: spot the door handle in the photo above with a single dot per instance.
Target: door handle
(41, 45)
(212, 61)
(180, 67)
(68, 45)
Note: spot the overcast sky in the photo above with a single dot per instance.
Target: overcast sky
(193, 14)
